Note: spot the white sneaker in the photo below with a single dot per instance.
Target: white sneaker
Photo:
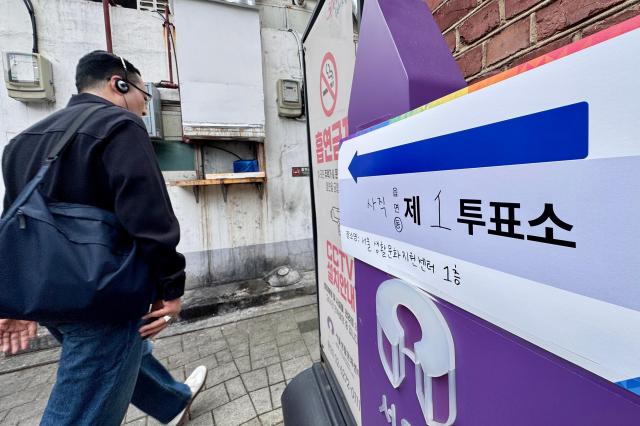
(195, 382)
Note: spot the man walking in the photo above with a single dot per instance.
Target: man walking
(111, 165)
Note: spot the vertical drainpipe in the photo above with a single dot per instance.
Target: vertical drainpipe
(107, 24)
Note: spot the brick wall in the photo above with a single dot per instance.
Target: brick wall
(489, 36)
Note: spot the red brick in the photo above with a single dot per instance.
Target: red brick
(434, 3)
(480, 23)
(563, 14)
(612, 20)
(557, 44)
(509, 41)
(470, 62)
(452, 11)
(450, 38)
(484, 76)
(514, 7)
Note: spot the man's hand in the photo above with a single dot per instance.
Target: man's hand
(15, 334)
(156, 321)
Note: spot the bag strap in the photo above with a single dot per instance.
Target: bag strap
(70, 133)
(66, 137)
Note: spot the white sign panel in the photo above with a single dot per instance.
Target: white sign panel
(330, 59)
(518, 203)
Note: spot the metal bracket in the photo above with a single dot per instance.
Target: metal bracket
(225, 190)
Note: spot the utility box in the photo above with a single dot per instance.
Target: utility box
(28, 77)
(289, 99)
(153, 119)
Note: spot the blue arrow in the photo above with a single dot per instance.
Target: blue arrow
(554, 135)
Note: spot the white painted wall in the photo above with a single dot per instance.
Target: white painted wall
(221, 240)
(283, 215)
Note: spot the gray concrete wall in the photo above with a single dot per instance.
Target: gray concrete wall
(223, 241)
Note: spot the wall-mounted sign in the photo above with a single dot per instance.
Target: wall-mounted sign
(300, 171)
(330, 58)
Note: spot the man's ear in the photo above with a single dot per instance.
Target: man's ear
(119, 85)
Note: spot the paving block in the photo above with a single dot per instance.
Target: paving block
(293, 350)
(235, 412)
(240, 349)
(261, 399)
(276, 394)
(263, 336)
(264, 362)
(212, 347)
(138, 422)
(274, 373)
(201, 337)
(237, 337)
(178, 374)
(181, 358)
(255, 379)
(243, 363)
(209, 361)
(224, 356)
(294, 366)
(205, 419)
(264, 350)
(286, 324)
(208, 400)
(31, 421)
(16, 399)
(309, 326)
(288, 337)
(252, 422)
(25, 411)
(164, 348)
(235, 388)
(221, 373)
(272, 418)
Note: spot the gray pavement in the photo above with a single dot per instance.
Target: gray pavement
(251, 356)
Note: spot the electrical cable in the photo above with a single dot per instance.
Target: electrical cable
(34, 28)
(225, 150)
(175, 55)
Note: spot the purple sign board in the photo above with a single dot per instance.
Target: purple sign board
(423, 360)
(500, 378)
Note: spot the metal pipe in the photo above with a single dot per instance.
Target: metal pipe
(167, 28)
(167, 85)
(34, 28)
(107, 24)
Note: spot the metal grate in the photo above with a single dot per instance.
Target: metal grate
(159, 5)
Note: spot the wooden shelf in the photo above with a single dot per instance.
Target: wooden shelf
(223, 179)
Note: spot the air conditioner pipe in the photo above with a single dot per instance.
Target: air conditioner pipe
(34, 28)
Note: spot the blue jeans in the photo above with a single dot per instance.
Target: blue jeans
(103, 368)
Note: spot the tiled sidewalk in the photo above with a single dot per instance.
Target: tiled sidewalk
(251, 356)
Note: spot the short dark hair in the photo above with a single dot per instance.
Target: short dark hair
(98, 66)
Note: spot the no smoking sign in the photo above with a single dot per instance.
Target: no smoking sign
(328, 84)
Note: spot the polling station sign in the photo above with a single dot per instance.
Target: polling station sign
(517, 203)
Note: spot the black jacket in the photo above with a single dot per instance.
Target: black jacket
(111, 165)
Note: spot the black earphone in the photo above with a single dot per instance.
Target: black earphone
(121, 84)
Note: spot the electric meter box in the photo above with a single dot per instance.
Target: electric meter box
(289, 98)
(153, 119)
(28, 77)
